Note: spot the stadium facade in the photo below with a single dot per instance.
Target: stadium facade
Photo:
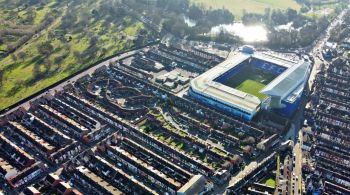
(282, 94)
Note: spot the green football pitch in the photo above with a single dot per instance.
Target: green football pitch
(252, 87)
(251, 81)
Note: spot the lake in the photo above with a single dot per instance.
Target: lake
(249, 34)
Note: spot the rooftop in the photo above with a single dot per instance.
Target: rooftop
(275, 59)
(31, 190)
(130, 178)
(34, 138)
(288, 81)
(6, 167)
(194, 186)
(99, 181)
(64, 118)
(135, 160)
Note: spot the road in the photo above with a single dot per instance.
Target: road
(316, 51)
(59, 87)
(296, 179)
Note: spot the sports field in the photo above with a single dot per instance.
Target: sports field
(251, 81)
(255, 6)
(252, 87)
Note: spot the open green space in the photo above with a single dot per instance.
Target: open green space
(270, 182)
(250, 80)
(237, 7)
(252, 87)
(77, 36)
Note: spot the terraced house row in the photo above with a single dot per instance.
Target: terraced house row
(329, 116)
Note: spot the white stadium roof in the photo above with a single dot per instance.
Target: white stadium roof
(288, 81)
(275, 59)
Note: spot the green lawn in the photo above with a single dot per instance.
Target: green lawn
(253, 88)
(19, 79)
(256, 6)
(270, 182)
(250, 80)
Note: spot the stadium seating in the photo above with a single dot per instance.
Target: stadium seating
(256, 63)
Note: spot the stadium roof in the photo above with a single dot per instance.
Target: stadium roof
(288, 81)
(275, 59)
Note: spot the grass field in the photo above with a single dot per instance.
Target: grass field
(20, 80)
(250, 81)
(252, 87)
(270, 182)
(256, 6)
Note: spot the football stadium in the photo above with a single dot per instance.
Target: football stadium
(250, 81)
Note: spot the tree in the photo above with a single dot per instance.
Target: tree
(93, 40)
(252, 18)
(30, 15)
(67, 47)
(84, 18)
(48, 64)
(220, 16)
(304, 9)
(241, 134)
(195, 12)
(59, 59)
(267, 13)
(45, 48)
(260, 146)
(291, 14)
(249, 140)
(21, 55)
(104, 51)
(13, 57)
(278, 17)
(77, 55)
(68, 20)
(178, 6)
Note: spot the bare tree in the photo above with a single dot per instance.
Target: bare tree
(45, 48)
(21, 55)
(13, 57)
(48, 64)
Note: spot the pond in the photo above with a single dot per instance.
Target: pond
(249, 34)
